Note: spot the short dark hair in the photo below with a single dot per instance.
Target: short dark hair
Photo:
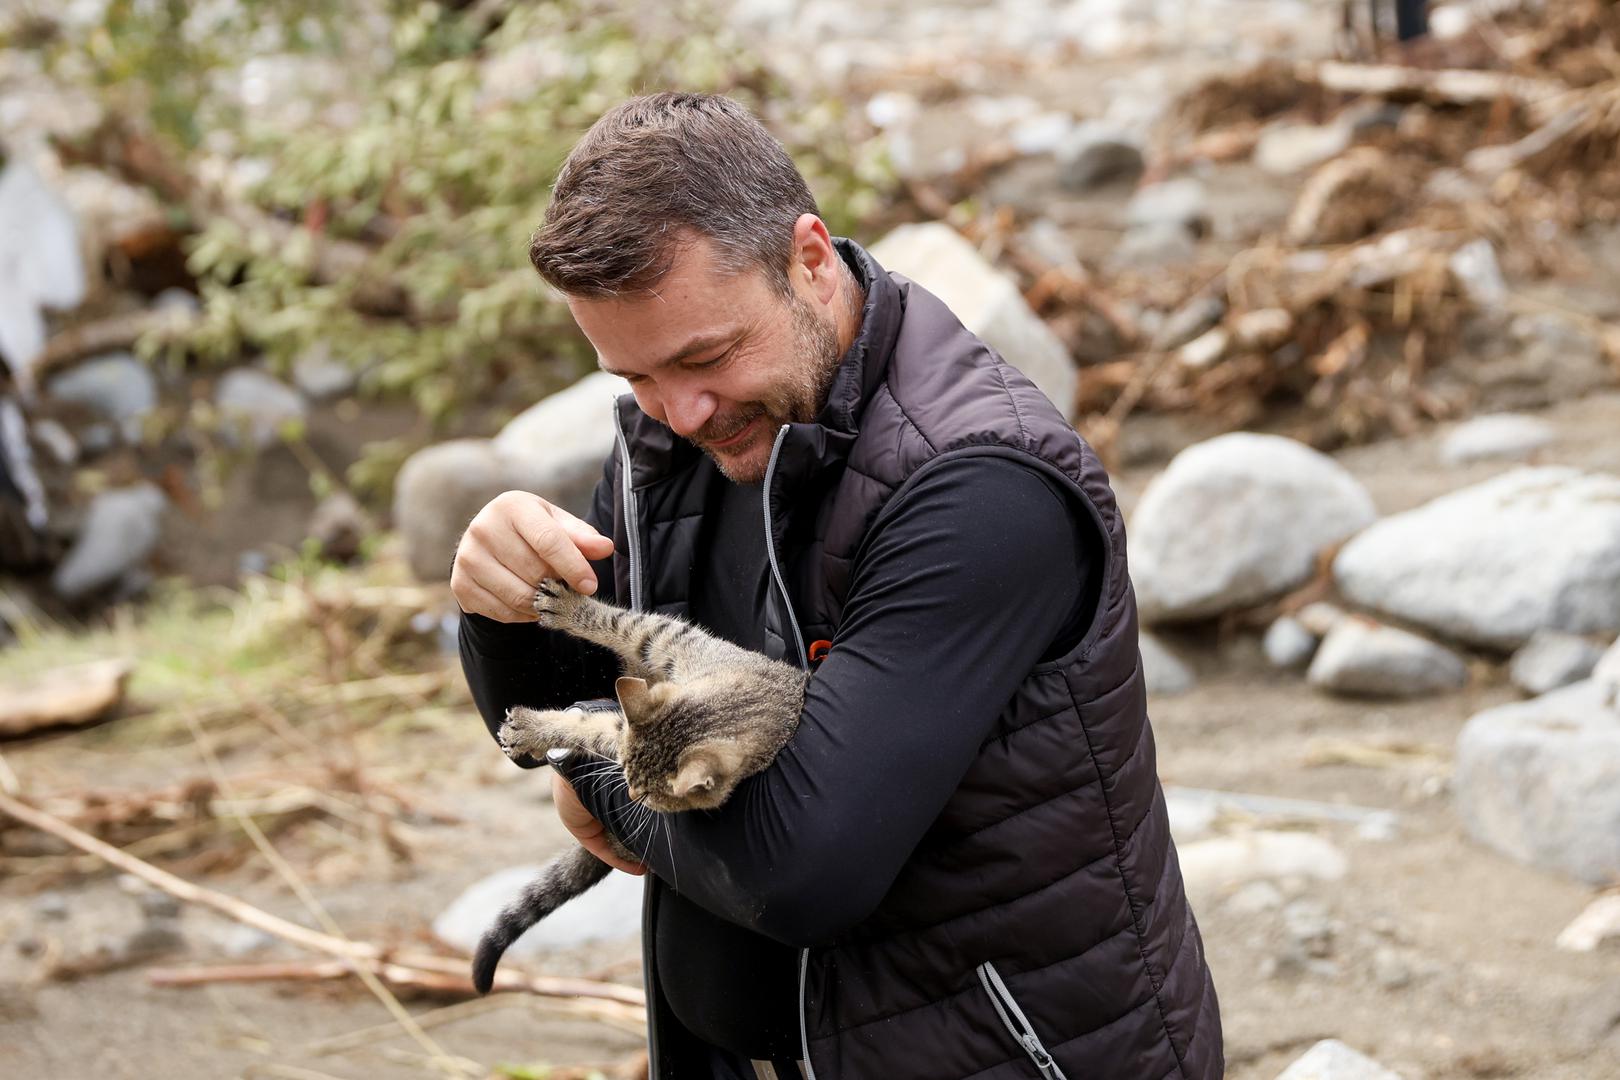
(652, 172)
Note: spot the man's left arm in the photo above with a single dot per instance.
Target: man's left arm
(979, 569)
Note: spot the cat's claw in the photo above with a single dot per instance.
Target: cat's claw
(517, 734)
(549, 596)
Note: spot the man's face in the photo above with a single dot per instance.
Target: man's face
(725, 361)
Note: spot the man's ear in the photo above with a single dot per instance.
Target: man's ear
(632, 694)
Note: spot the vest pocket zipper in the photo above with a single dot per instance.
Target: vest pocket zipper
(1017, 1023)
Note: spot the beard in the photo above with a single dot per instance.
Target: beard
(795, 399)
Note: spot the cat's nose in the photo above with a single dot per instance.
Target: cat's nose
(634, 793)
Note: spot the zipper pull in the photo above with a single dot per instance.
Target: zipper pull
(1043, 1060)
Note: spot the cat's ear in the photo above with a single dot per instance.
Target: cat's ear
(707, 766)
(632, 695)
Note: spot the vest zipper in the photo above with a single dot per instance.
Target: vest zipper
(804, 662)
(1017, 1023)
(770, 551)
(632, 523)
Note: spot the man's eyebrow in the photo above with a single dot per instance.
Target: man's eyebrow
(701, 343)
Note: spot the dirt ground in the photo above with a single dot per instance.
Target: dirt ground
(1434, 955)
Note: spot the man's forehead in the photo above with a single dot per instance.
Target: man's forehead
(691, 308)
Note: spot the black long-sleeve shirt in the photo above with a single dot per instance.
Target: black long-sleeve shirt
(983, 568)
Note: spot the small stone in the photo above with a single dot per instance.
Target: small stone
(175, 299)
(1285, 149)
(1551, 659)
(1539, 780)
(1262, 329)
(1363, 657)
(1222, 864)
(319, 375)
(157, 937)
(1189, 321)
(1165, 672)
(56, 438)
(1500, 437)
(241, 940)
(1331, 1059)
(1182, 201)
(1310, 928)
(121, 528)
(51, 906)
(1288, 644)
(255, 406)
(1254, 898)
(1319, 617)
(1094, 153)
(156, 904)
(609, 912)
(1389, 970)
(116, 386)
(339, 525)
(1149, 246)
(1475, 266)
(1204, 350)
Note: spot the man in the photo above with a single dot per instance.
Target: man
(961, 865)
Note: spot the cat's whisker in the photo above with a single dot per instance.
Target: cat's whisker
(669, 845)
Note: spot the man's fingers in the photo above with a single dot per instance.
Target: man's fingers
(542, 533)
(585, 828)
(476, 599)
(510, 596)
(592, 543)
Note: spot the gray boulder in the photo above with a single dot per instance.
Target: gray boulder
(1540, 781)
(253, 407)
(1363, 657)
(1492, 564)
(1551, 659)
(1164, 671)
(1502, 436)
(1237, 520)
(439, 490)
(609, 912)
(554, 449)
(116, 386)
(1331, 1059)
(1147, 246)
(987, 301)
(561, 441)
(121, 527)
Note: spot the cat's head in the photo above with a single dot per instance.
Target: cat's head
(670, 761)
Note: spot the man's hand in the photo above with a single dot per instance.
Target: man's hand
(516, 540)
(586, 829)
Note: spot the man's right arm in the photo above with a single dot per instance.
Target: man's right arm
(507, 658)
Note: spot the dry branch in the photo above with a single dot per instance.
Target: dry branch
(353, 953)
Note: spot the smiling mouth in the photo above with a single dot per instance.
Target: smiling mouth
(733, 440)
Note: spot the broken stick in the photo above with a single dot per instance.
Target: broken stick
(356, 953)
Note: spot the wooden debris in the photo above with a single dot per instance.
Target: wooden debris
(65, 697)
(443, 972)
(1453, 87)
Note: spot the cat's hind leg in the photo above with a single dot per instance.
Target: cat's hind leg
(535, 731)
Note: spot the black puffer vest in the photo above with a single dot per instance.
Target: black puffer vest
(1040, 928)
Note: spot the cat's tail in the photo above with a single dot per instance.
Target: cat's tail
(560, 880)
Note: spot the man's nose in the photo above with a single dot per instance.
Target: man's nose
(687, 412)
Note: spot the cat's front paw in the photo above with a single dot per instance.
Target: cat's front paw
(523, 733)
(552, 601)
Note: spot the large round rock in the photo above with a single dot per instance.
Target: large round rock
(438, 491)
(1540, 781)
(1493, 563)
(1236, 521)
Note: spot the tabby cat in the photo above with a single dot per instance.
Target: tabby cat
(696, 716)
